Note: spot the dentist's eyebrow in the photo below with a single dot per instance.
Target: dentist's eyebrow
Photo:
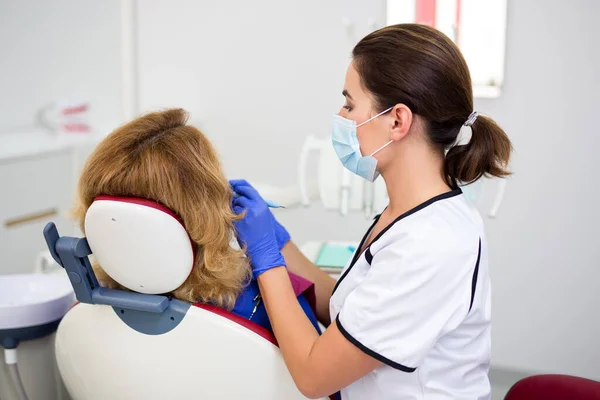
(347, 95)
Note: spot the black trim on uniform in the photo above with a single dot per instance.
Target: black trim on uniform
(475, 272)
(368, 255)
(370, 352)
(421, 206)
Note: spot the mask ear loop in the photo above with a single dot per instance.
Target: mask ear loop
(385, 145)
(381, 148)
(372, 118)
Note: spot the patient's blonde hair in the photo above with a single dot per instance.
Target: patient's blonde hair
(158, 157)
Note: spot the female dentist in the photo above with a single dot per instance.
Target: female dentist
(411, 311)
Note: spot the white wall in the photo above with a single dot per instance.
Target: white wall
(59, 50)
(257, 77)
(545, 255)
(260, 76)
(242, 69)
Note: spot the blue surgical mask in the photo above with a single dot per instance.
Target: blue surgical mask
(346, 146)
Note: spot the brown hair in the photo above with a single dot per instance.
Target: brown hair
(422, 68)
(158, 157)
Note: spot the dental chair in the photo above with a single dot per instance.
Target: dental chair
(144, 345)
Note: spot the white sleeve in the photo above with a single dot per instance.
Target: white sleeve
(413, 293)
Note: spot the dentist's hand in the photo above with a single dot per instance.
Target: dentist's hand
(281, 234)
(255, 231)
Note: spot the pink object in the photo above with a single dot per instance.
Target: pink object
(306, 287)
(457, 38)
(75, 109)
(74, 118)
(425, 12)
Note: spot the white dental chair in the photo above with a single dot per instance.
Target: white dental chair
(142, 345)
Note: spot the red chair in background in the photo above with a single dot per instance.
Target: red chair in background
(554, 387)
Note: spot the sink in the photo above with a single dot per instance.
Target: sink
(32, 305)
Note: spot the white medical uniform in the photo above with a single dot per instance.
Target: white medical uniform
(418, 299)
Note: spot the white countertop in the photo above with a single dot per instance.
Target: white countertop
(26, 144)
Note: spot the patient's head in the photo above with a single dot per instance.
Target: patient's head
(158, 157)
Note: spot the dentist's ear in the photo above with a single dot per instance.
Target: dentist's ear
(402, 121)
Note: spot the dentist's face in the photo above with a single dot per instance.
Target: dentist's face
(358, 107)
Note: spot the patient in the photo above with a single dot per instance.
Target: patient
(158, 157)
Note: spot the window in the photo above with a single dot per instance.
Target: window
(478, 27)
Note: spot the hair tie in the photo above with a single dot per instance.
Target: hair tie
(464, 135)
(472, 118)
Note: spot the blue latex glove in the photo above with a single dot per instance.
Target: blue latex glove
(281, 234)
(255, 231)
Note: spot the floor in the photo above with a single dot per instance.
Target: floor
(499, 391)
(502, 380)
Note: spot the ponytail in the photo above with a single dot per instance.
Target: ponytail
(487, 154)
